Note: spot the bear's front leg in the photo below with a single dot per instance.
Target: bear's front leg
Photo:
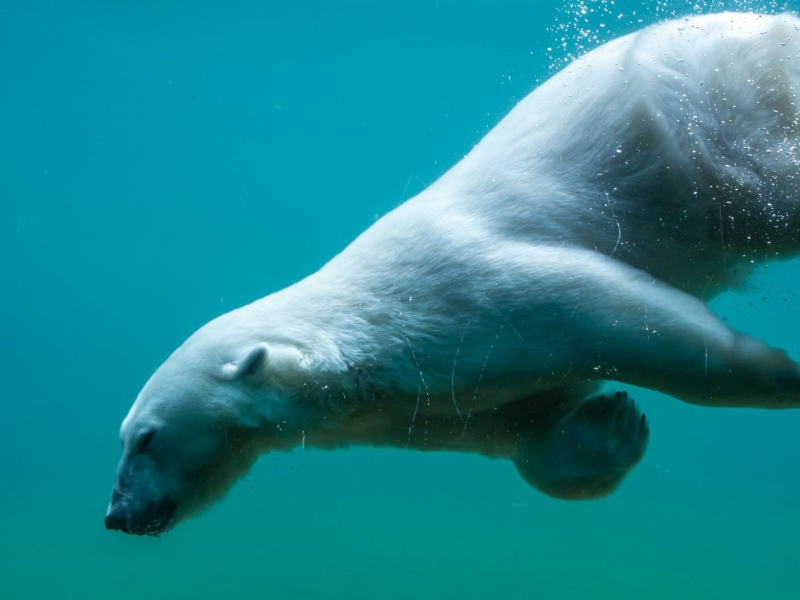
(622, 324)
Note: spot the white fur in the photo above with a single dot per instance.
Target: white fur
(574, 244)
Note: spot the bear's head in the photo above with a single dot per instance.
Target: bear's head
(198, 425)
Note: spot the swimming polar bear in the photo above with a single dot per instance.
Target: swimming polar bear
(574, 245)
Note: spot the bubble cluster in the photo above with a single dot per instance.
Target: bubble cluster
(582, 25)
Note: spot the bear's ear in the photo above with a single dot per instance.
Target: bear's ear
(252, 361)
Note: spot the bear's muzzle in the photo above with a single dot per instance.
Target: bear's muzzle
(151, 519)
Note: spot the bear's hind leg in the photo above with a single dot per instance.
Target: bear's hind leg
(587, 453)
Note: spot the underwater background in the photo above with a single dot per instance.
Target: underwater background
(164, 162)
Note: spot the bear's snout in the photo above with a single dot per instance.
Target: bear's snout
(115, 518)
(152, 519)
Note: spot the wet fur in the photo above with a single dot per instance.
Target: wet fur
(574, 245)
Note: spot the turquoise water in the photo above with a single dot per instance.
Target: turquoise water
(163, 163)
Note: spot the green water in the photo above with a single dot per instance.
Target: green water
(164, 162)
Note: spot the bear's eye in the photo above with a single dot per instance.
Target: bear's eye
(144, 440)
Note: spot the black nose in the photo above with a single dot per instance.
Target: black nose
(115, 520)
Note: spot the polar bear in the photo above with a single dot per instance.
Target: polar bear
(574, 245)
